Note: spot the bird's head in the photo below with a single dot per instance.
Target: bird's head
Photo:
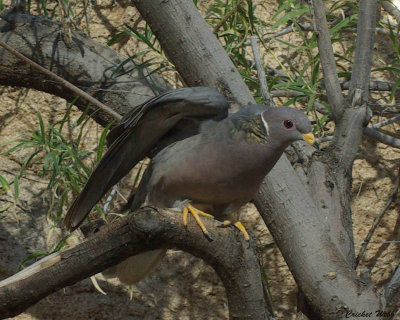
(286, 125)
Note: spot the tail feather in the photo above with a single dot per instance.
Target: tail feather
(138, 267)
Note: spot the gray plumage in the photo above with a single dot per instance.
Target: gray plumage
(144, 130)
(217, 165)
(221, 168)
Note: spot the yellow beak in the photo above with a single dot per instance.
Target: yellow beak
(309, 138)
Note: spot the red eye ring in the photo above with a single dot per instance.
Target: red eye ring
(288, 124)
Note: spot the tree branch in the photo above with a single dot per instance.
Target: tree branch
(87, 64)
(233, 258)
(260, 71)
(351, 125)
(382, 137)
(359, 83)
(377, 85)
(62, 81)
(331, 80)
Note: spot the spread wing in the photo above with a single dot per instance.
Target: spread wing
(143, 131)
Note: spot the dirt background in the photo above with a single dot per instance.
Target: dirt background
(183, 287)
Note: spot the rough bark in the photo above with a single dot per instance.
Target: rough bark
(233, 258)
(86, 64)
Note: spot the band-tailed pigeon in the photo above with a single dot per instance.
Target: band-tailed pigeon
(209, 168)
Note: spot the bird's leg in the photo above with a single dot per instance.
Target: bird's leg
(239, 226)
(196, 213)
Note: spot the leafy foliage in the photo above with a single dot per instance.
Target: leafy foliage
(58, 158)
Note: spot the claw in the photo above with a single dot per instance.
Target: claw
(196, 213)
(239, 226)
(242, 229)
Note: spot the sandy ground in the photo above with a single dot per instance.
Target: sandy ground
(183, 287)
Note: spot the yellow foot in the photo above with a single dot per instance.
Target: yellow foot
(239, 226)
(196, 215)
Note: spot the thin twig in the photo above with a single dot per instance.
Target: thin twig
(379, 218)
(377, 85)
(282, 32)
(380, 31)
(386, 122)
(260, 70)
(310, 28)
(64, 82)
(86, 12)
(383, 106)
(328, 62)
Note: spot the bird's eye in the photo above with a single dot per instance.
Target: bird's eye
(288, 124)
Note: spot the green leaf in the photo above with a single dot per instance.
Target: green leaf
(48, 161)
(31, 257)
(43, 4)
(266, 281)
(310, 103)
(229, 32)
(289, 16)
(79, 162)
(119, 70)
(5, 208)
(291, 45)
(115, 38)
(16, 189)
(145, 38)
(16, 148)
(389, 68)
(61, 243)
(42, 131)
(394, 89)
(342, 24)
(26, 163)
(285, 6)
(4, 184)
(65, 117)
